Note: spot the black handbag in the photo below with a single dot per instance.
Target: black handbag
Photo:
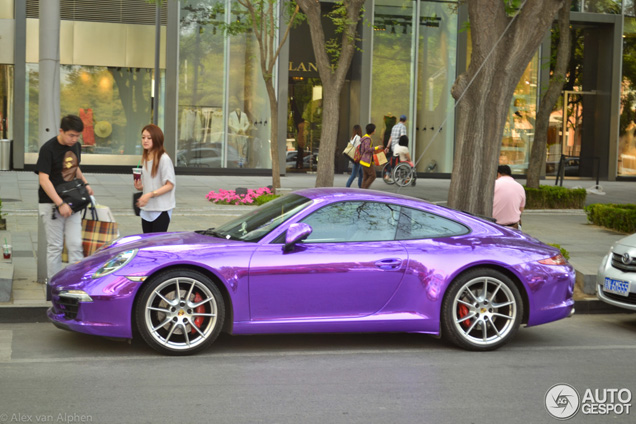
(74, 194)
(136, 197)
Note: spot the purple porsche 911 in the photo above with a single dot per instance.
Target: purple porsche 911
(319, 260)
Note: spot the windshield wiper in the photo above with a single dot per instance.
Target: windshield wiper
(212, 232)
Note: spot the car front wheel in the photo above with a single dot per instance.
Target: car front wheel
(180, 312)
(482, 310)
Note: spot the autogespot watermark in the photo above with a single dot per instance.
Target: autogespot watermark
(563, 401)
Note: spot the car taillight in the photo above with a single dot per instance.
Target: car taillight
(554, 260)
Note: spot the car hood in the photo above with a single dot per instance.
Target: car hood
(166, 247)
(168, 240)
(629, 241)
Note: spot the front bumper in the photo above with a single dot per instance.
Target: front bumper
(606, 270)
(106, 310)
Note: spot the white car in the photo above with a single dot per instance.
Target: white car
(616, 277)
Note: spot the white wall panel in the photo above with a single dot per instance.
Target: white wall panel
(7, 31)
(97, 44)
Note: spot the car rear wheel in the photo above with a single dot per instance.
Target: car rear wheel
(180, 312)
(482, 310)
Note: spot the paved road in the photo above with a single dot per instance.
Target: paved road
(50, 375)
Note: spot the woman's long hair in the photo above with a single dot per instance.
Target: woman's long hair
(154, 154)
(357, 130)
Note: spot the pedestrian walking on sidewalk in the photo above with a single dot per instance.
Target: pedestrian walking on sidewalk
(157, 182)
(509, 199)
(356, 170)
(367, 150)
(58, 163)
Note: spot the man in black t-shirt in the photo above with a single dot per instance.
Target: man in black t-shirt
(58, 162)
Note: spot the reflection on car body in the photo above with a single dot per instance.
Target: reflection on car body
(319, 260)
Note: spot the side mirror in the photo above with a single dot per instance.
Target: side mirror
(296, 233)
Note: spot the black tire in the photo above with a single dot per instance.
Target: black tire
(474, 321)
(182, 326)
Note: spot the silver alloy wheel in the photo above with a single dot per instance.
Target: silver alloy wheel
(484, 311)
(403, 174)
(180, 313)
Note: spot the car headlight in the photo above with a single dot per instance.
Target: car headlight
(112, 265)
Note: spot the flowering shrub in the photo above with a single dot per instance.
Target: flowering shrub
(252, 197)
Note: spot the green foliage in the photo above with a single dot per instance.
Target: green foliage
(564, 252)
(555, 197)
(338, 16)
(243, 22)
(615, 217)
(265, 198)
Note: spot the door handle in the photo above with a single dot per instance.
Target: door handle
(388, 263)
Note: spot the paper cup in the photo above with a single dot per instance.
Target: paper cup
(6, 251)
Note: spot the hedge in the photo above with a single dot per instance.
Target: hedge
(555, 197)
(615, 217)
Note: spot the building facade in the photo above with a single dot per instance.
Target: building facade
(214, 109)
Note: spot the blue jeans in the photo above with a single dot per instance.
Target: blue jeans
(355, 172)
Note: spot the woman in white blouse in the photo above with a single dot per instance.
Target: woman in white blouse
(157, 182)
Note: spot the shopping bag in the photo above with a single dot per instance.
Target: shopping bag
(379, 158)
(350, 151)
(104, 213)
(95, 232)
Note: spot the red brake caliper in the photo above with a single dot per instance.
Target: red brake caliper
(463, 311)
(200, 309)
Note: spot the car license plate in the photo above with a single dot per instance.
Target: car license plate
(616, 286)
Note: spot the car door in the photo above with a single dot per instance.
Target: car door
(349, 266)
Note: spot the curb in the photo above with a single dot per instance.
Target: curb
(37, 314)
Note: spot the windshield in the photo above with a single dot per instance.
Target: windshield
(253, 226)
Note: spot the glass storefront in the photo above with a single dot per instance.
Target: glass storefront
(627, 126)
(413, 72)
(114, 103)
(106, 78)
(392, 71)
(437, 57)
(518, 135)
(222, 117)
(223, 104)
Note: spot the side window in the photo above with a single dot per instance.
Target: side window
(416, 224)
(353, 222)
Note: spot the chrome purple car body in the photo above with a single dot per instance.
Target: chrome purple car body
(319, 260)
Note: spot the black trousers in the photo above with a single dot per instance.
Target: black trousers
(159, 225)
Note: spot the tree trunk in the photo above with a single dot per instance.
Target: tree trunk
(332, 80)
(501, 51)
(538, 152)
(273, 110)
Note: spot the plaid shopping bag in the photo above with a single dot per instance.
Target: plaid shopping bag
(95, 234)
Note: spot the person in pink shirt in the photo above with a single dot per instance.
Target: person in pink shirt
(509, 199)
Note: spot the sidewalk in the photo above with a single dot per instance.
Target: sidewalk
(586, 243)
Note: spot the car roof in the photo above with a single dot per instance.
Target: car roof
(356, 194)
